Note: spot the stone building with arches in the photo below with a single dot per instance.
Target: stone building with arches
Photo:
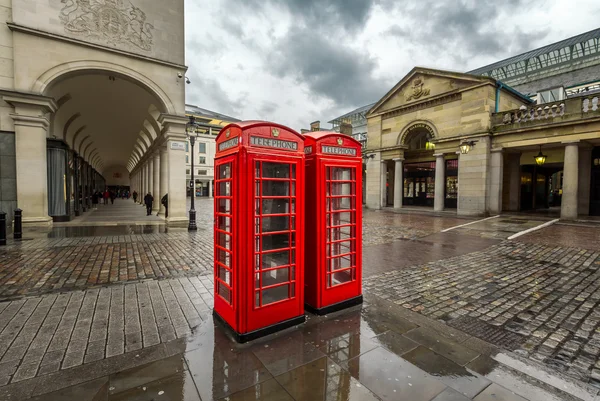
(470, 143)
(92, 94)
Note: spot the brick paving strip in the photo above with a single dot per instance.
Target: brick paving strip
(45, 334)
(541, 301)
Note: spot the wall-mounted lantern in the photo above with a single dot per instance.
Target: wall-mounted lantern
(466, 147)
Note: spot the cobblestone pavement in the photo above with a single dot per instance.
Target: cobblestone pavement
(384, 227)
(585, 236)
(541, 301)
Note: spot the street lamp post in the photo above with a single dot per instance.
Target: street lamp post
(192, 132)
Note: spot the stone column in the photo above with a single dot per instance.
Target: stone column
(144, 181)
(514, 188)
(585, 178)
(383, 194)
(440, 182)
(164, 177)
(156, 181)
(174, 134)
(151, 174)
(496, 177)
(398, 183)
(569, 205)
(84, 184)
(210, 195)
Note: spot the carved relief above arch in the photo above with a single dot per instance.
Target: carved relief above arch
(416, 125)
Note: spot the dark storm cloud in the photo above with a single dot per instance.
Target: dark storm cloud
(329, 68)
(350, 15)
(466, 25)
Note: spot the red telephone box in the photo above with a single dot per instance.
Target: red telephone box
(333, 273)
(259, 228)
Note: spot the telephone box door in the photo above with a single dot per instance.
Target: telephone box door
(226, 287)
(342, 277)
(278, 240)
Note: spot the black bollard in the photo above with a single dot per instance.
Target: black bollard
(18, 231)
(2, 228)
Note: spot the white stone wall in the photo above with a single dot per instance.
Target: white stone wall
(152, 28)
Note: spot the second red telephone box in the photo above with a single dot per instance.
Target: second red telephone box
(259, 228)
(333, 273)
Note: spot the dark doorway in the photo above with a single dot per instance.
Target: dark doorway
(541, 187)
(419, 184)
(595, 183)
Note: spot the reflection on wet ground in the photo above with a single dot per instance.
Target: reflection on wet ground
(365, 353)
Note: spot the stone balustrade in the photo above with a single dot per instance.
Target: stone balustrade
(590, 103)
(540, 114)
(537, 112)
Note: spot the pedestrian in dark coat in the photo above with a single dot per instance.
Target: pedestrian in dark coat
(148, 199)
(135, 196)
(165, 202)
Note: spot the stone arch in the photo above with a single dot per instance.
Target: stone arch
(428, 125)
(65, 70)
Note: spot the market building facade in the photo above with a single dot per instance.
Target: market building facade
(92, 95)
(471, 143)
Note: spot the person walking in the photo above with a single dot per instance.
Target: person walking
(113, 195)
(134, 195)
(165, 202)
(105, 196)
(95, 197)
(148, 199)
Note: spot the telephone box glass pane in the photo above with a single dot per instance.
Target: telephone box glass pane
(274, 259)
(224, 292)
(276, 206)
(225, 275)
(224, 257)
(224, 206)
(275, 170)
(275, 223)
(275, 294)
(275, 188)
(225, 171)
(275, 241)
(277, 276)
(342, 277)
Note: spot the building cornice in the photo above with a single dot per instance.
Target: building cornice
(31, 31)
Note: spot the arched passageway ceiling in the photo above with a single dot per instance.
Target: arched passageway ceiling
(115, 113)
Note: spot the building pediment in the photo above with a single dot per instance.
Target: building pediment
(423, 84)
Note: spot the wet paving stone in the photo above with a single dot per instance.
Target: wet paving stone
(397, 343)
(393, 378)
(447, 371)
(453, 351)
(498, 393)
(266, 391)
(451, 395)
(178, 387)
(323, 380)
(285, 352)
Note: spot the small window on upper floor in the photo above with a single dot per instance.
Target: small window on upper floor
(551, 95)
(202, 160)
(201, 147)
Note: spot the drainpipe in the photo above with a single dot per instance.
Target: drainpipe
(499, 86)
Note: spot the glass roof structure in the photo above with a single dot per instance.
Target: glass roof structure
(580, 47)
(353, 116)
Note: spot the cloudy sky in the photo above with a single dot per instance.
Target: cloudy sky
(296, 61)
